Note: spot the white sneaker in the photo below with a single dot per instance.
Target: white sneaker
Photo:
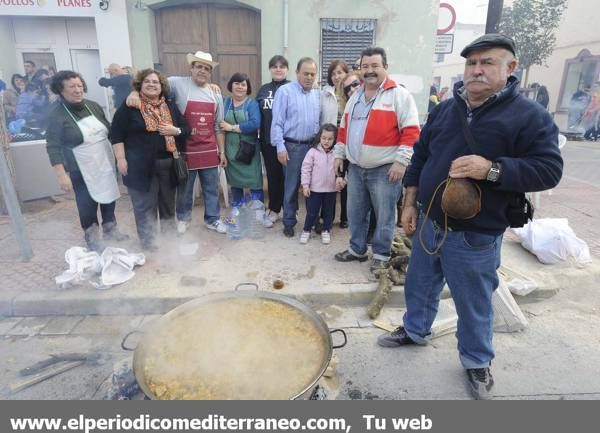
(304, 237)
(182, 227)
(325, 237)
(218, 226)
(272, 216)
(267, 223)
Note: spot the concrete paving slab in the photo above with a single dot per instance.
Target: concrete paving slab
(80, 383)
(338, 317)
(61, 325)
(29, 326)
(116, 325)
(7, 323)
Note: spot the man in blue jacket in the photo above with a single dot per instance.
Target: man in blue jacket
(514, 150)
(120, 81)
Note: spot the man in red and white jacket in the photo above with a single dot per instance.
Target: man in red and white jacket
(376, 135)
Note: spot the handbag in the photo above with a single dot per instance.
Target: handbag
(179, 169)
(247, 149)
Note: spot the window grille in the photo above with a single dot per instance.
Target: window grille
(344, 39)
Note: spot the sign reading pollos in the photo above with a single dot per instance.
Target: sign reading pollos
(48, 7)
(18, 2)
(42, 3)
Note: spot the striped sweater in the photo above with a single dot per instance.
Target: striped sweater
(392, 128)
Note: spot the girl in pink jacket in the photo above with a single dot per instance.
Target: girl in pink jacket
(318, 183)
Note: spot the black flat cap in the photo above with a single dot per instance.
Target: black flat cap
(490, 40)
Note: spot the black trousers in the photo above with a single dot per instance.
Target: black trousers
(87, 206)
(320, 201)
(274, 176)
(159, 200)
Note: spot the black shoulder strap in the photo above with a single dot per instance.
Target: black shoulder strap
(466, 130)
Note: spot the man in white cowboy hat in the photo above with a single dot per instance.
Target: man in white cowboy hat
(202, 106)
(203, 109)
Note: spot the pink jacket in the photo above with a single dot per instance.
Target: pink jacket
(317, 170)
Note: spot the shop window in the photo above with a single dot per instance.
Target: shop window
(41, 59)
(579, 73)
(344, 39)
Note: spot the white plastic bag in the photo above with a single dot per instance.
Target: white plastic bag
(508, 317)
(117, 266)
(553, 241)
(114, 266)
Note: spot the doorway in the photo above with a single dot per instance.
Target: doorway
(230, 33)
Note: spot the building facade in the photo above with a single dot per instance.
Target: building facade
(575, 63)
(243, 35)
(65, 34)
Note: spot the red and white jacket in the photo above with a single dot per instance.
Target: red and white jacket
(392, 128)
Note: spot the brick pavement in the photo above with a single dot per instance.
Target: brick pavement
(54, 227)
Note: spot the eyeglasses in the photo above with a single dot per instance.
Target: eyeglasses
(201, 67)
(352, 85)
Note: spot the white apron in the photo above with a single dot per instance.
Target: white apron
(95, 159)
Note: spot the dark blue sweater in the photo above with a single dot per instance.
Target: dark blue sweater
(508, 128)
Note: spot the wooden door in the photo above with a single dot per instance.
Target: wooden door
(231, 34)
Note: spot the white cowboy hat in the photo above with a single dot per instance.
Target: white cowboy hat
(201, 57)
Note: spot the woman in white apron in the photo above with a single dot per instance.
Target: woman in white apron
(82, 158)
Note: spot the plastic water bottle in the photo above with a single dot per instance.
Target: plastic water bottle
(257, 227)
(244, 220)
(233, 224)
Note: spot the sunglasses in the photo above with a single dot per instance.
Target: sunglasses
(352, 85)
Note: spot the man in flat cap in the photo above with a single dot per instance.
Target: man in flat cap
(494, 145)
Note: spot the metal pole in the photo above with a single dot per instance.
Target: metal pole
(14, 211)
(493, 16)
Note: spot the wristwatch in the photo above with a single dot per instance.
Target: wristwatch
(178, 130)
(495, 172)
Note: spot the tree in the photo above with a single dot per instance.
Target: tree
(532, 23)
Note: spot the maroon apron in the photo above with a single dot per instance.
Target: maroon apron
(201, 147)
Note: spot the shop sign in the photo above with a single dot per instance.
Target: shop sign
(61, 8)
(444, 43)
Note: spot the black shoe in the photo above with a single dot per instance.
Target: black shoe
(343, 224)
(319, 226)
(288, 232)
(112, 233)
(347, 256)
(398, 337)
(481, 383)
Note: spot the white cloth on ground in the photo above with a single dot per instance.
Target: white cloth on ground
(114, 266)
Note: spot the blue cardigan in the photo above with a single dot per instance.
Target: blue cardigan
(510, 129)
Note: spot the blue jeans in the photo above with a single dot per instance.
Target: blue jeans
(296, 154)
(467, 261)
(366, 187)
(237, 195)
(209, 181)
